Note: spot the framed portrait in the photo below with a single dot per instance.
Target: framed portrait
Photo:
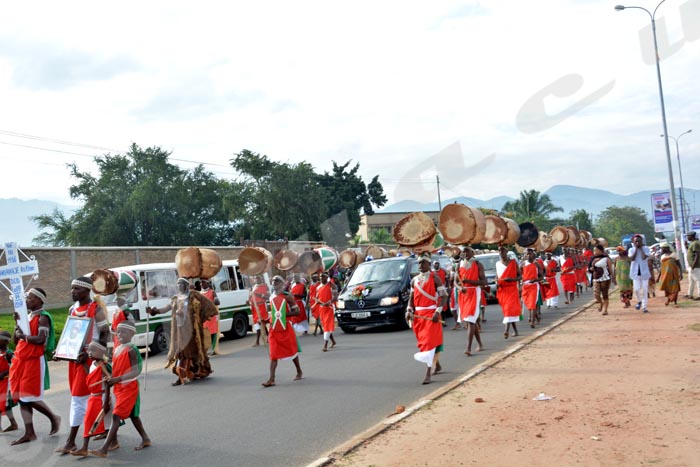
(73, 338)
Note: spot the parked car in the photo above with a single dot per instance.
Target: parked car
(377, 294)
(488, 261)
(612, 252)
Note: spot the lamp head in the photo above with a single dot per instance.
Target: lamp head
(619, 7)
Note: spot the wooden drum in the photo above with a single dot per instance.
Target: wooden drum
(461, 225)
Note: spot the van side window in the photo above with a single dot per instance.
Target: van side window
(161, 284)
(220, 282)
(239, 279)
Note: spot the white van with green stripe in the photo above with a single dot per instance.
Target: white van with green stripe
(157, 284)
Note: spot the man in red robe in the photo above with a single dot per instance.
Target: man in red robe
(313, 304)
(471, 278)
(29, 372)
(568, 276)
(551, 291)
(298, 291)
(508, 295)
(532, 276)
(258, 306)
(283, 340)
(326, 295)
(425, 304)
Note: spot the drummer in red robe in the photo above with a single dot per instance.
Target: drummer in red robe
(212, 324)
(313, 304)
(471, 279)
(568, 276)
(532, 276)
(551, 291)
(326, 295)
(298, 291)
(258, 306)
(428, 297)
(283, 340)
(508, 295)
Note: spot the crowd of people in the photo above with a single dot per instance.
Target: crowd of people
(103, 377)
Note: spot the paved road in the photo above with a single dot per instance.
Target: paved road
(229, 419)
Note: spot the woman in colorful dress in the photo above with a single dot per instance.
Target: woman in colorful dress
(670, 275)
(622, 274)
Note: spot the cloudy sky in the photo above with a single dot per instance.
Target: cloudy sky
(494, 96)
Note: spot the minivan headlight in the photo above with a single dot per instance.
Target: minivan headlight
(340, 304)
(386, 301)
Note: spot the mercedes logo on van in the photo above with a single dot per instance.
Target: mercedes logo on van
(360, 304)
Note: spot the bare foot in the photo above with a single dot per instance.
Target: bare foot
(438, 368)
(325, 349)
(144, 444)
(479, 349)
(66, 449)
(333, 345)
(98, 453)
(298, 377)
(80, 453)
(505, 335)
(12, 427)
(426, 380)
(268, 384)
(55, 425)
(115, 445)
(468, 353)
(257, 344)
(516, 334)
(23, 439)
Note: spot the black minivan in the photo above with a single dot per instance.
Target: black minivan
(377, 294)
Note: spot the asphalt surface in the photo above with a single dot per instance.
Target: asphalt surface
(229, 419)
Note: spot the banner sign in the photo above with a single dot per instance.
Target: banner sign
(695, 222)
(663, 213)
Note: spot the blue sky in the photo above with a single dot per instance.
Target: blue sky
(494, 96)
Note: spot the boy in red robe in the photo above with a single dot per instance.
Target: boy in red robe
(298, 291)
(425, 304)
(6, 402)
(283, 340)
(568, 276)
(532, 275)
(313, 303)
(126, 366)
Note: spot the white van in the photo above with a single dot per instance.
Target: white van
(157, 284)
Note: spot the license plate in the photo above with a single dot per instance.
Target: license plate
(364, 314)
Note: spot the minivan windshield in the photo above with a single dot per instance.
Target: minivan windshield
(377, 271)
(488, 261)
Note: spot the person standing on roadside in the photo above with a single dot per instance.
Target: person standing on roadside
(670, 275)
(601, 269)
(693, 265)
(640, 271)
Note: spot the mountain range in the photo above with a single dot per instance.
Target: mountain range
(17, 226)
(567, 197)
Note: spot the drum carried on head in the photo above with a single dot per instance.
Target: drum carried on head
(461, 225)
(496, 230)
(416, 228)
(197, 262)
(254, 260)
(560, 235)
(109, 281)
(350, 258)
(529, 235)
(573, 238)
(329, 257)
(513, 233)
(310, 262)
(376, 252)
(285, 260)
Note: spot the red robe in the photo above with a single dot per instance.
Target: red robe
(298, 293)
(507, 293)
(257, 303)
(126, 393)
(531, 287)
(283, 339)
(568, 275)
(425, 301)
(211, 324)
(471, 300)
(77, 372)
(25, 373)
(312, 299)
(552, 289)
(94, 404)
(324, 294)
(117, 317)
(4, 366)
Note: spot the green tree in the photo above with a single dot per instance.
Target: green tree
(581, 219)
(140, 199)
(615, 222)
(381, 236)
(531, 206)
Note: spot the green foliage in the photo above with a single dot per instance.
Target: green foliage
(581, 219)
(615, 222)
(381, 236)
(140, 199)
(531, 206)
(59, 315)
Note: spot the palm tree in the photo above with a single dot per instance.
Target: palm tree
(531, 205)
(381, 237)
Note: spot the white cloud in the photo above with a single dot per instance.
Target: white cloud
(388, 84)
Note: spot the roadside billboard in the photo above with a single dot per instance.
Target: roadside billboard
(663, 213)
(695, 222)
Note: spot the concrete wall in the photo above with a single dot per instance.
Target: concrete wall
(59, 266)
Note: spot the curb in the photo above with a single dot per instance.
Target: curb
(360, 439)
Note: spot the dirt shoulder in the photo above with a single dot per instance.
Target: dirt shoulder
(626, 391)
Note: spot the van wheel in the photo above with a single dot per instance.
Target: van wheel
(348, 329)
(161, 341)
(239, 327)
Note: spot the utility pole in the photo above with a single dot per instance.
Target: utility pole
(437, 178)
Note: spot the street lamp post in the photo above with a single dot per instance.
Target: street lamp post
(680, 175)
(674, 206)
